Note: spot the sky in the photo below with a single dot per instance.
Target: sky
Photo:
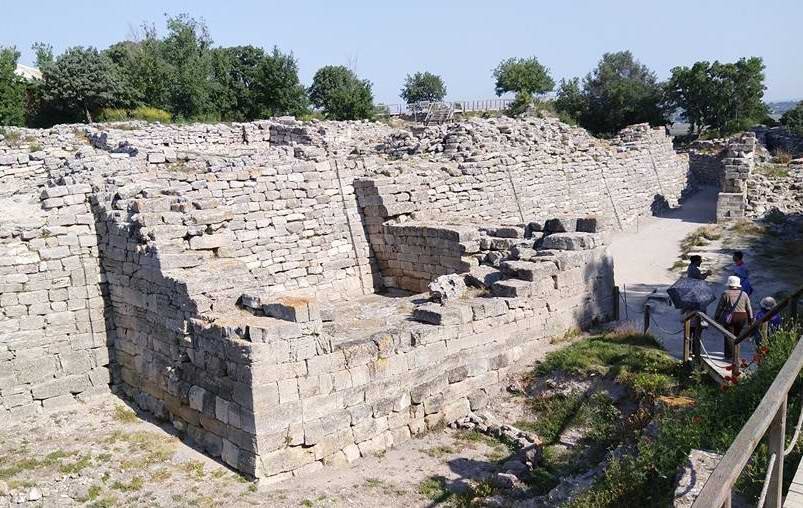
(462, 41)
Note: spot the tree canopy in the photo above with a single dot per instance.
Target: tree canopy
(81, 81)
(12, 89)
(524, 76)
(619, 92)
(423, 86)
(726, 97)
(340, 94)
(793, 119)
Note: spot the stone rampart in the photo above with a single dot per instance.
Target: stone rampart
(229, 278)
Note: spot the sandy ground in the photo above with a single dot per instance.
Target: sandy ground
(642, 260)
(102, 454)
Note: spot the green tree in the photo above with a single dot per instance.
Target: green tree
(423, 86)
(12, 89)
(793, 119)
(278, 88)
(619, 92)
(187, 50)
(570, 102)
(80, 82)
(524, 76)
(726, 97)
(144, 67)
(340, 94)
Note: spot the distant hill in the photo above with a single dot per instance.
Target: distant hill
(781, 107)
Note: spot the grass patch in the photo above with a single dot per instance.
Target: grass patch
(439, 452)
(124, 415)
(434, 489)
(77, 466)
(772, 170)
(609, 354)
(747, 228)
(134, 485)
(700, 237)
(470, 438)
(711, 422)
(195, 469)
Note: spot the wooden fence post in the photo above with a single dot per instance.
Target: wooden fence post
(776, 443)
(686, 341)
(616, 303)
(647, 310)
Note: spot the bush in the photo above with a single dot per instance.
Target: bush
(146, 113)
(150, 114)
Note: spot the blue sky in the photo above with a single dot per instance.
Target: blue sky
(460, 40)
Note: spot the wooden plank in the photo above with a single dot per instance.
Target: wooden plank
(713, 322)
(776, 443)
(719, 484)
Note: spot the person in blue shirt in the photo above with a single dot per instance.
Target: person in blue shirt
(740, 270)
(773, 324)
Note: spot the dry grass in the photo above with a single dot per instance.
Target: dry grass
(700, 237)
(772, 170)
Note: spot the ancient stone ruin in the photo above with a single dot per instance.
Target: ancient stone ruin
(264, 286)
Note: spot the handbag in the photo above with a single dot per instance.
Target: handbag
(729, 314)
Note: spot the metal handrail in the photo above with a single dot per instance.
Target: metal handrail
(770, 415)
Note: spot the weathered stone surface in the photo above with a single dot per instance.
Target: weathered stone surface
(572, 241)
(447, 289)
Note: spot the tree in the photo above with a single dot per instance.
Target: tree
(278, 88)
(570, 101)
(619, 92)
(793, 119)
(12, 89)
(80, 82)
(187, 50)
(524, 76)
(144, 67)
(726, 97)
(423, 86)
(341, 94)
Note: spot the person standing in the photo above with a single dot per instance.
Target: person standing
(694, 272)
(734, 311)
(774, 323)
(740, 270)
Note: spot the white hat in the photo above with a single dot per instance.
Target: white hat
(734, 282)
(767, 303)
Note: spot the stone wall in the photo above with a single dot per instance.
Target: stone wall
(780, 139)
(738, 165)
(134, 255)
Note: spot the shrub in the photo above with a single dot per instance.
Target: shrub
(150, 114)
(112, 115)
(146, 113)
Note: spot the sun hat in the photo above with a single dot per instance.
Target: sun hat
(734, 282)
(767, 303)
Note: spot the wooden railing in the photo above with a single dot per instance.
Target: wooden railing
(692, 336)
(769, 418)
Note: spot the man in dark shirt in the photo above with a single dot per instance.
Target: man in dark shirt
(694, 272)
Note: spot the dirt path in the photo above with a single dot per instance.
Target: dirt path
(642, 260)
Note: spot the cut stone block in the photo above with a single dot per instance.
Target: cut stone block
(483, 276)
(572, 241)
(440, 315)
(447, 288)
(526, 270)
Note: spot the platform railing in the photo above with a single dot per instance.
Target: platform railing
(768, 419)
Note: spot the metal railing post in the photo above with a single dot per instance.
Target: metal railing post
(776, 443)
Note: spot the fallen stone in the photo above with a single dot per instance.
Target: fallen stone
(483, 276)
(447, 288)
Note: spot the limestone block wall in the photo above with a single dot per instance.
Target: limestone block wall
(54, 342)
(366, 395)
(737, 167)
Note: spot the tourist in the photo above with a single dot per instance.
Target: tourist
(774, 323)
(740, 270)
(693, 272)
(734, 310)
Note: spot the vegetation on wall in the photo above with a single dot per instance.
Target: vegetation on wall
(793, 119)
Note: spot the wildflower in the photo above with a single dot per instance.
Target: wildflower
(696, 419)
